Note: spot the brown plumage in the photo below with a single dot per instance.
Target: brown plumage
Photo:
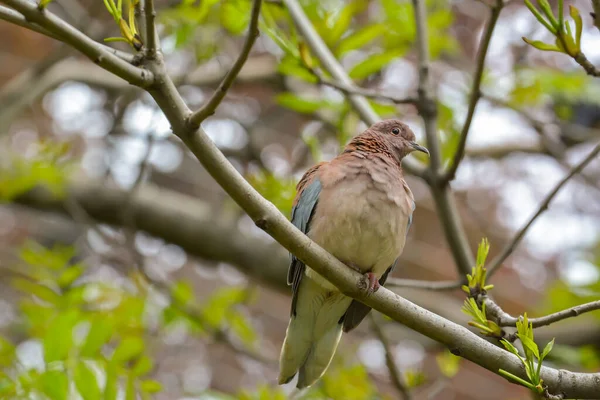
(358, 207)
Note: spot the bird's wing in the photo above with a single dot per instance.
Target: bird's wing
(308, 190)
(357, 311)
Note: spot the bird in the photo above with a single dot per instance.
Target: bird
(359, 208)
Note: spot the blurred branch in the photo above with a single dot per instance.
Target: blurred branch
(427, 285)
(510, 247)
(209, 108)
(354, 90)
(504, 319)
(335, 69)
(95, 51)
(476, 90)
(390, 360)
(14, 17)
(444, 199)
(503, 150)
(24, 89)
(596, 13)
(176, 218)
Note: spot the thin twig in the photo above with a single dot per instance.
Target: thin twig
(209, 108)
(476, 89)
(390, 360)
(72, 36)
(354, 90)
(427, 285)
(510, 247)
(502, 318)
(328, 61)
(444, 200)
(151, 35)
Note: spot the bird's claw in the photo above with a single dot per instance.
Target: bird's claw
(370, 283)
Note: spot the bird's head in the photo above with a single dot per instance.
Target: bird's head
(397, 136)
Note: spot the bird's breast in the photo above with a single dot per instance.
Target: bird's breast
(360, 224)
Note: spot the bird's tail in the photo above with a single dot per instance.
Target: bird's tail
(313, 333)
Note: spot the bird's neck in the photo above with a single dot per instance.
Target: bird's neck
(368, 147)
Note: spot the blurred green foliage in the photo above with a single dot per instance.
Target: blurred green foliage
(48, 166)
(95, 335)
(279, 191)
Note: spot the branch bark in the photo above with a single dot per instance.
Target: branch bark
(502, 318)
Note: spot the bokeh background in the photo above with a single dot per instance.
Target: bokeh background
(147, 250)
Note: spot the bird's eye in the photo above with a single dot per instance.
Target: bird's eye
(395, 131)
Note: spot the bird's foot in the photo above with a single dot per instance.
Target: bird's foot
(370, 283)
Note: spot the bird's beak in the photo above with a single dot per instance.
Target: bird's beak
(420, 148)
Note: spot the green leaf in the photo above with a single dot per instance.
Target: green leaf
(516, 379)
(40, 291)
(130, 389)
(291, 66)
(70, 275)
(578, 25)
(242, 327)
(372, 64)
(101, 330)
(360, 38)
(86, 382)
(340, 20)
(530, 345)
(129, 348)
(510, 347)
(448, 363)
(143, 366)
(54, 384)
(301, 105)
(235, 16)
(151, 386)
(7, 352)
(547, 349)
(538, 44)
(182, 292)
(58, 340)
(111, 387)
(540, 17)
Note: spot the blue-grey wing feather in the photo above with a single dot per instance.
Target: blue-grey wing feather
(302, 213)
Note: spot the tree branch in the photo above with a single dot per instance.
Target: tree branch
(335, 69)
(209, 108)
(95, 51)
(444, 200)
(354, 90)
(503, 319)
(152, 44)
(390, 360)
(14, 17)
(427, 285)
(476, 90)
(510, 247)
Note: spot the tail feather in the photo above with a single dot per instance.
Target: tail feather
(313, 333)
